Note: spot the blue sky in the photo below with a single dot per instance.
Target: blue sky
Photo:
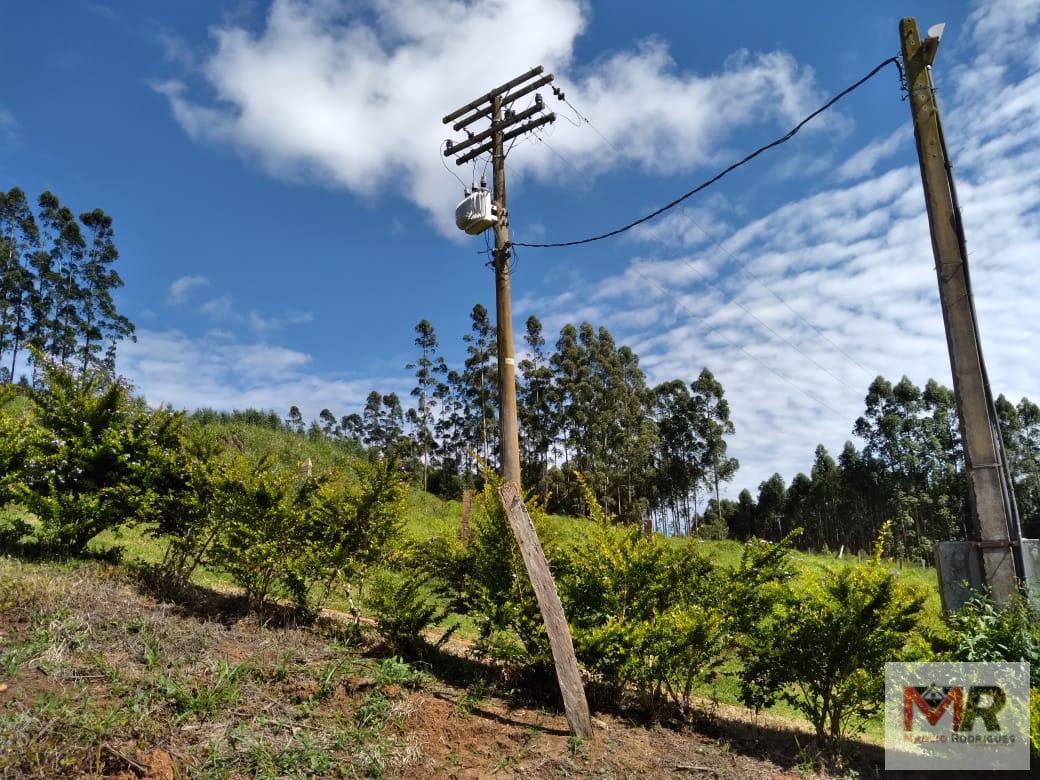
(284, 219)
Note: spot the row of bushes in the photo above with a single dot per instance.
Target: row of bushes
(82, 455)
(662, 622)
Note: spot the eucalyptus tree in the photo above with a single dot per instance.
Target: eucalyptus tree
(64, 291)
(329, 424)
(99, 322)
(1020, 430)
(451, 429)
(712, 413)
(480, 377)
(427, 368)
(19, 237)
(537, 410)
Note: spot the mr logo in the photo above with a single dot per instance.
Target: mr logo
(983, 701)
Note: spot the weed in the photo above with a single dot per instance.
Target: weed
(574, 744)
(808, 759)
(373, 712)
(19, 654)
(396, 671)
(474, 695)
(204, 700)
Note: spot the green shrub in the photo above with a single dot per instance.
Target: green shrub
(18, 441)
(822, 646)
(981, 632)
(279, 533)
(485, 578)
(644, 613)
(182, 515)
(404, 608)
(91, 467)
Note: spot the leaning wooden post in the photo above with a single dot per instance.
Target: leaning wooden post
(567, 673)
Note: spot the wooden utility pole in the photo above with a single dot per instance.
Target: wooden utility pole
(506, 125)
(508, 426)
(991, 503)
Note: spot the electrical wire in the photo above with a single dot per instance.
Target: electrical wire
(705, 184)
(560, 95)
(440, 153)
(742, 266)
(552, 149)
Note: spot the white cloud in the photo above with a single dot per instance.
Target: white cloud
(262, 324)
(218, 371)
(865, 162)
(182, 289)
(348, 93)
(219, 308)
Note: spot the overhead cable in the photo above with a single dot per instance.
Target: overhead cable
(704, 185)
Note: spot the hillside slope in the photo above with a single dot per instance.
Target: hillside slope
(100, 678)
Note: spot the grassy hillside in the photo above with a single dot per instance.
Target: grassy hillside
(427, 516)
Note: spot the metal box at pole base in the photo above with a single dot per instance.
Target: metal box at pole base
(960, 573)
(961, 576)
(1031, 559)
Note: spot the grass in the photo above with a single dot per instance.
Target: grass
(98, 677)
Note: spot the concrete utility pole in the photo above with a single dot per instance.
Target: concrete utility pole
(493, 105)
(990, 497)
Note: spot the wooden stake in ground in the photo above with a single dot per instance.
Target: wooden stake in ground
(566, 662)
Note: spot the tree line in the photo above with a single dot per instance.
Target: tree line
(56, 285)
(910, 470)
(657, 455)
(651, 455)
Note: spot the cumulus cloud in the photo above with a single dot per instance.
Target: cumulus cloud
(352, 93)
(182, 289)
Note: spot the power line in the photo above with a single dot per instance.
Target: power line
(449, 170)
(582, 118)
(685, 210)
(704, 185)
